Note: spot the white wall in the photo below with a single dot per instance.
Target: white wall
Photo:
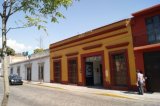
(47, 70)
(34, 62)
(22, 69)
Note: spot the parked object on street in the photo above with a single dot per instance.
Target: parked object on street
(15, 80)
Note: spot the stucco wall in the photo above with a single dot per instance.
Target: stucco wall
(34, 63)
(106, 36)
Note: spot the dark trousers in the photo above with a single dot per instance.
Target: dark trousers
(140, 88)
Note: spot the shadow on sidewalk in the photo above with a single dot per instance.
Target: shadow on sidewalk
(133, 92)
(97, 87)
(130, 92)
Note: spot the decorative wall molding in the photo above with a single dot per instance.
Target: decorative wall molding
(106, 37)
(97, 32)
(56, 57)
(117, 45)
(72, 54)
(92, 46)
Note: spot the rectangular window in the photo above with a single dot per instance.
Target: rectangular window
(18, 70)
(57, 71)
(153, 29)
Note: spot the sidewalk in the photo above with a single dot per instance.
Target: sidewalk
(151, 97)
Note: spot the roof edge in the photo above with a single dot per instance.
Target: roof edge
(88, 32)
(149, 9)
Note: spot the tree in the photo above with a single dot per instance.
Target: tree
(38, 50)
(37, 11)
(9, 51)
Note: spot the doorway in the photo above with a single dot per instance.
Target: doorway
(29, 73)
(72, 71)
(93, 71)
(119, 69)
(152, 71)
(57, 71)
(41, 72)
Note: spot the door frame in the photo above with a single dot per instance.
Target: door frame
(40, 73)
(72, 58)
(91, 79)
(29, 73)
(148, 87)
(60, 70)
(83, 58)
(113, 86)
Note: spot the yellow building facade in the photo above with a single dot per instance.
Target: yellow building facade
(101, 57)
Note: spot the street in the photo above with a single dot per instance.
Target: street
(33, 95)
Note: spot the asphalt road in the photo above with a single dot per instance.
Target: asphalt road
(33, 95)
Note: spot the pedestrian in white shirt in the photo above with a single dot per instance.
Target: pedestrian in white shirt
(140, 82)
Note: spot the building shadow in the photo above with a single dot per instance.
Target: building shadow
(133, 92)
(97, 87)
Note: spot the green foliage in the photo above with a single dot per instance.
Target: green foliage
(9, 51)
(38, 51)
(37, 11)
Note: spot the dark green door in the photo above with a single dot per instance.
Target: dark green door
(152, 71)
(89, 74)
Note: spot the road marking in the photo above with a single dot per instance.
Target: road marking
(115, 95)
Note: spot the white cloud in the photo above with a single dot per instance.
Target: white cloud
(18, 47)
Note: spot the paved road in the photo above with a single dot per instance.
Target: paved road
(33, 95)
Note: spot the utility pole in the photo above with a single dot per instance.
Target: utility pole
(4, 55)
(40, 42)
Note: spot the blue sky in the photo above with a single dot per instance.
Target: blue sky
(82, 16)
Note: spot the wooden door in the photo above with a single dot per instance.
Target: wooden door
(152, 71)
(119, 70)
(57, 71)
(72, 71)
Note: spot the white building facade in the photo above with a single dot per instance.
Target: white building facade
(37, 68)
(11, 59)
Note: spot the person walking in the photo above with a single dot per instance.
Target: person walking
(140, 82)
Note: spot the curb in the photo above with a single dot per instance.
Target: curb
(50, 86)
(97, 93)
(39, 84)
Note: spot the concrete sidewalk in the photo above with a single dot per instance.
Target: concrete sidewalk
(151, 97)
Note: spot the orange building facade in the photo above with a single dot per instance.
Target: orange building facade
(146, 41)
(101, 57)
